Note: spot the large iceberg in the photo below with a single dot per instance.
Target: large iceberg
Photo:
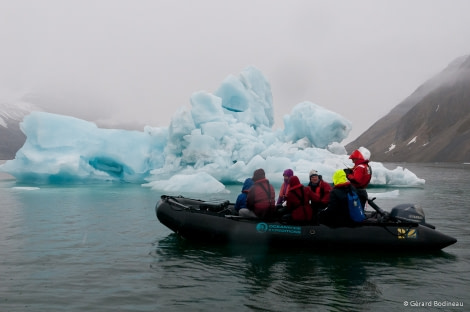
(220, 139)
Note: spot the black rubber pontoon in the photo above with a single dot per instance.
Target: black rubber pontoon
(214, 222)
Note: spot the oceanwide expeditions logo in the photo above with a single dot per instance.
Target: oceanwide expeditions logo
(278, 228)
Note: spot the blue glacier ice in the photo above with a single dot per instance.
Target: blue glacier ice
(221, 138)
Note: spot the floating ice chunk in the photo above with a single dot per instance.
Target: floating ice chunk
(397, 177)
(65, 149)
(26, 188)
(223, 137)
(391, 194)
(321, 126)
(234, 95)
(191, 183)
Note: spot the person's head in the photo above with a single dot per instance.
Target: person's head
(258, 175)
(247, 184)
(339, 177)
(314, 177)
(360, 155)
(288, 173)
(294, 181)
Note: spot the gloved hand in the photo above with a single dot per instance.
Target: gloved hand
(284, 204)
(348, 171)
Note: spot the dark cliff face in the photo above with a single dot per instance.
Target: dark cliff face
(431, 125)
(11, 140)
(12, 111)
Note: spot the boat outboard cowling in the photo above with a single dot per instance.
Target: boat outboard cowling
(408, 212)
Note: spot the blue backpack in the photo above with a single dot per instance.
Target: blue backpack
(355, 209)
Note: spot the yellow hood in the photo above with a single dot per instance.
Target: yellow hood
(339, 177)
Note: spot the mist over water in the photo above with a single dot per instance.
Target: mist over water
(101, 248)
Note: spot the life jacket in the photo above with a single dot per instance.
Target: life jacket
(261, 200)
(302, 210)
(283, 193)
(321, 192)
(361, 176)
(316, 188)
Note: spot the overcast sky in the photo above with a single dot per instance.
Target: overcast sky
(116, 61)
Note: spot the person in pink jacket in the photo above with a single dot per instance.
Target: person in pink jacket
(288, 173)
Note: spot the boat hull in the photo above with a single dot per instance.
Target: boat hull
(223, 228)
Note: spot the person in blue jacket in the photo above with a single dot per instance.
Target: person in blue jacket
(241, 199)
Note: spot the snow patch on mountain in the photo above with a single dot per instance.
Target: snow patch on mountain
(13, 107)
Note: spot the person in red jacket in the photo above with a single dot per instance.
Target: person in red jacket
(361, 174)
(321, 191)
(261, 198)
(287, 174)
(298, 202)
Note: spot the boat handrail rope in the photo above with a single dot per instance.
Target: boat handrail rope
(173, 201)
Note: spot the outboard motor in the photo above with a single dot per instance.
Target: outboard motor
(409, 213)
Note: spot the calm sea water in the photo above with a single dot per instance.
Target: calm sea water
(101, 248)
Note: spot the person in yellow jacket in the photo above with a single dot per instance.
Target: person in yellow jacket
(337, 212)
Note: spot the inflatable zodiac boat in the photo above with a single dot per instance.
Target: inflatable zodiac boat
(404, 228)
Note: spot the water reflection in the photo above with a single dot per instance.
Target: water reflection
(269, 278)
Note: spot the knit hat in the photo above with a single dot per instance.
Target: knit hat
(288, 173)
(258, 175)
(339, 177)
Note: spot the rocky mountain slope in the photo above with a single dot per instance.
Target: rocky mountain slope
(431, 125)
(12, 139)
